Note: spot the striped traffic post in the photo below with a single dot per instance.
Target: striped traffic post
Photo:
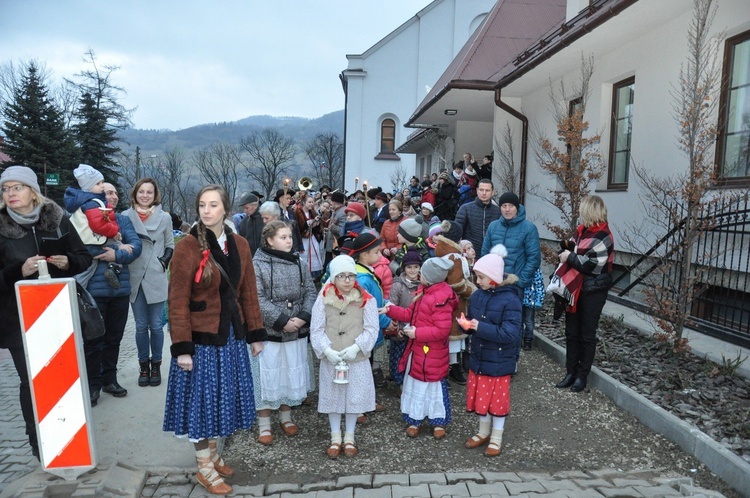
(57, 373)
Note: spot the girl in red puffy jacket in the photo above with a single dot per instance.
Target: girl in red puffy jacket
(425, 361)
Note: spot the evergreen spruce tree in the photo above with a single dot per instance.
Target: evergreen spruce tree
(35, 135)
(95, 138)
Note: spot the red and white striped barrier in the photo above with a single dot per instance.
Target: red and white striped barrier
(57, 371)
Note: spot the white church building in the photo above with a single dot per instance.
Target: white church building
(383, 85)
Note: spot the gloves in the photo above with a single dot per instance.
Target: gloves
(166, 257)
(332, 356)
(348, 354)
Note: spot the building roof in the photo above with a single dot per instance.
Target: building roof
(413, 141)
(596, 14)
(510, 28)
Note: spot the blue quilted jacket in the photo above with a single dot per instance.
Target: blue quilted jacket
(366, 279)
(495, 344)
(98, 286)
(521, 238)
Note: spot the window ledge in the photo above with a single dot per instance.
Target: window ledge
(731, 183)
(613, 189)
(388, 156)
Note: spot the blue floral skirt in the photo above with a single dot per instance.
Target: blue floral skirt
(215, 398)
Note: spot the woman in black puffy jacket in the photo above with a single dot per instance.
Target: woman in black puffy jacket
(25, 218)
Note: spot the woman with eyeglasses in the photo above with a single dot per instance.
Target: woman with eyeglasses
(286, 293)
(25, 217)
(344, 328)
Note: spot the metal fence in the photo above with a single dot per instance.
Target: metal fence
(719, 266)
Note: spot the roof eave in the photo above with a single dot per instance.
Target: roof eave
(560, 38)
(455, 84)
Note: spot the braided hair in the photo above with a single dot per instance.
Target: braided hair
(207, 275)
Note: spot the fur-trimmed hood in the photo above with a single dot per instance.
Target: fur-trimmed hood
(510, 279)
(332, 297)
(49, 219)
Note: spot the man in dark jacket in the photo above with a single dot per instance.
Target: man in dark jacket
(251, 225)
(284, 198)
(379, 211)
(114, 303)
(475, 217)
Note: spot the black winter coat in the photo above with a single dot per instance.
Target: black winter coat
(20, 242)
(251, 228)
(475, 218)
(444, 205)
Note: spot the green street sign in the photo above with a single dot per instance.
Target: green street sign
(52, 179)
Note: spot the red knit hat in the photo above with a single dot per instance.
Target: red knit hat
(356, 208)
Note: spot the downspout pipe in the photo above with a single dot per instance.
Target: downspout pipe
(524, 142)
(345, 86)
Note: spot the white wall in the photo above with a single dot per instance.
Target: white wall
(654, 59)
(502, 119)
(398, 71)
(474, 137)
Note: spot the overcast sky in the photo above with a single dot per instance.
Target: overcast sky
(191, 62)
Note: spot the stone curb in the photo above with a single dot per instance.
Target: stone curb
(723, 462)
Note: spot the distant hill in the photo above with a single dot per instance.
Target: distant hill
(197, 137)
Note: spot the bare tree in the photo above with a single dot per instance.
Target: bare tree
(437, 140)
(174, 168)
(270, 152)
(187, 189)
(577, 163)
(505, 166)
(220, 163)
(127, 171)
(326, 154)
(399, 177)
(677, 204)
(97, 81)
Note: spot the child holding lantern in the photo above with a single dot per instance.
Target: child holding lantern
(344, 327)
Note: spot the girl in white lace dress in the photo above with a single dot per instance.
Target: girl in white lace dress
(344, 327)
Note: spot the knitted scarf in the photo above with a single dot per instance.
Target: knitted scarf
(592, 244)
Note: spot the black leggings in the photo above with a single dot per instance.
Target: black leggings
(27, 408)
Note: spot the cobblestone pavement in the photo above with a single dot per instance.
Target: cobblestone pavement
(16, 462)
(574, 484)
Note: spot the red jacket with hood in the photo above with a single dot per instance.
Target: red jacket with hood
(432, 315)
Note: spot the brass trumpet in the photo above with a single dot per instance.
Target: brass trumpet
(305, 183)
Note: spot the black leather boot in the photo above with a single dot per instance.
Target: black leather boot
(155, 379)
(567, 381)
(456, 374)
(145, 375)
(579, 385)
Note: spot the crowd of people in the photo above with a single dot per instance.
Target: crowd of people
(444, 275)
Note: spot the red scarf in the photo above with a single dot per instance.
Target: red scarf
(572, 279)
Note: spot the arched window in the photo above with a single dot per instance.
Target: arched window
(387, 135)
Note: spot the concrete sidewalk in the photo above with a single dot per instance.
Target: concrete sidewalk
(129, 429)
